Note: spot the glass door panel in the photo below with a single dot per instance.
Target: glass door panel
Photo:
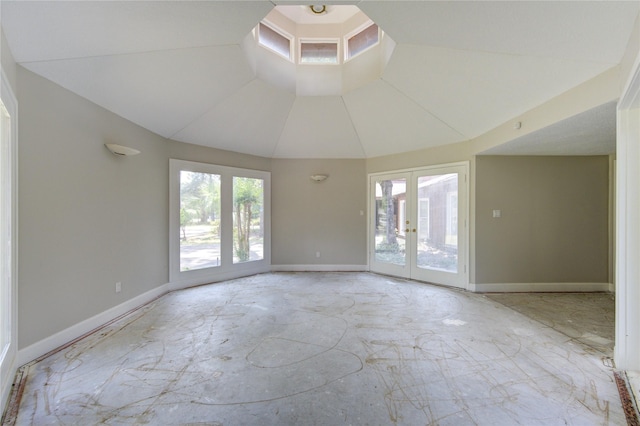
(440, 244)
(418, 224)
(389, 224)
(437, 240)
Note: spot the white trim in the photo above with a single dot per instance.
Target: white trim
(318, 40)
(419, 169)
(358, 30)
(279, 31)
(67, 335)
(10, 177)
(626, 353)
(631, 94)
(540, 287)
(227, 269)
(319, 268)
(409, 270)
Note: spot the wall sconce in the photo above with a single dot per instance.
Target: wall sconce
(318, 178)
(121, 150)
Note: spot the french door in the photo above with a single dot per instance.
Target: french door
(418, 224)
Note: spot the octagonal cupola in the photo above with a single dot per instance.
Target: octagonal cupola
(318, 50)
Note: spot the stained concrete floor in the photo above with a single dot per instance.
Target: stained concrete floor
(331, 349)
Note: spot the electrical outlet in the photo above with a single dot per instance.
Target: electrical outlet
(118, 287)
(317, 254)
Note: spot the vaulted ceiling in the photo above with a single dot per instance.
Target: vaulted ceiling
(183, 69)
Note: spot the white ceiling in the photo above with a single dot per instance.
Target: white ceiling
(182, 70)
(592, 132)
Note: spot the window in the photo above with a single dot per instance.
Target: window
(219, 222)
(248, 219)
(275, 41)
(199, 220)
(362, 41)
(316, 52)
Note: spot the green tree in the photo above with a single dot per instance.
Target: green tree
(247, 200)
(200, 193)
(185, 219)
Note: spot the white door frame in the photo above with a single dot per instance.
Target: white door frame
(9, 213)
(463, 251)
(627, 277)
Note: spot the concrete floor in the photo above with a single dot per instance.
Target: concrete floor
(336, 349)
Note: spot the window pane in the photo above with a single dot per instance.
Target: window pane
(274, 41)
(390, 236)
(319, 53)
(199, 220)
(361, 41)
(248, 219)
(438, 222)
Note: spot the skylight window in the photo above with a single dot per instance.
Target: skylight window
(275, 41)
(318, 46)
(312, 52)
(362, 41)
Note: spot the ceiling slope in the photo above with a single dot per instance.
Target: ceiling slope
(188, 70)
(250, 121)
(475, 91)
(162, 90)
(319, 127)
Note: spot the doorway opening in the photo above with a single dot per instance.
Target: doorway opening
(418, 224)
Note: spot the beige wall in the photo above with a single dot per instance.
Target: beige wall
(427, 157)
(89, 219)
(309, 217)
(554, 224)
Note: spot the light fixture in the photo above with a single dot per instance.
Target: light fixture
(318, 178)
(121, 150)
(318, 9)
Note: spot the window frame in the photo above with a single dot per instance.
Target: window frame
(311, 40)
(355, 32)
(279, 31)
(227, 269)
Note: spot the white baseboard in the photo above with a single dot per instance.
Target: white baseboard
(67, 335)
(319, 268)
(539, 287)
(7, 381)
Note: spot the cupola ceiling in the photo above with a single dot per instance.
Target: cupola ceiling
(441, 72)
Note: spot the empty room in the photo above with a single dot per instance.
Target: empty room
(295, 213)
